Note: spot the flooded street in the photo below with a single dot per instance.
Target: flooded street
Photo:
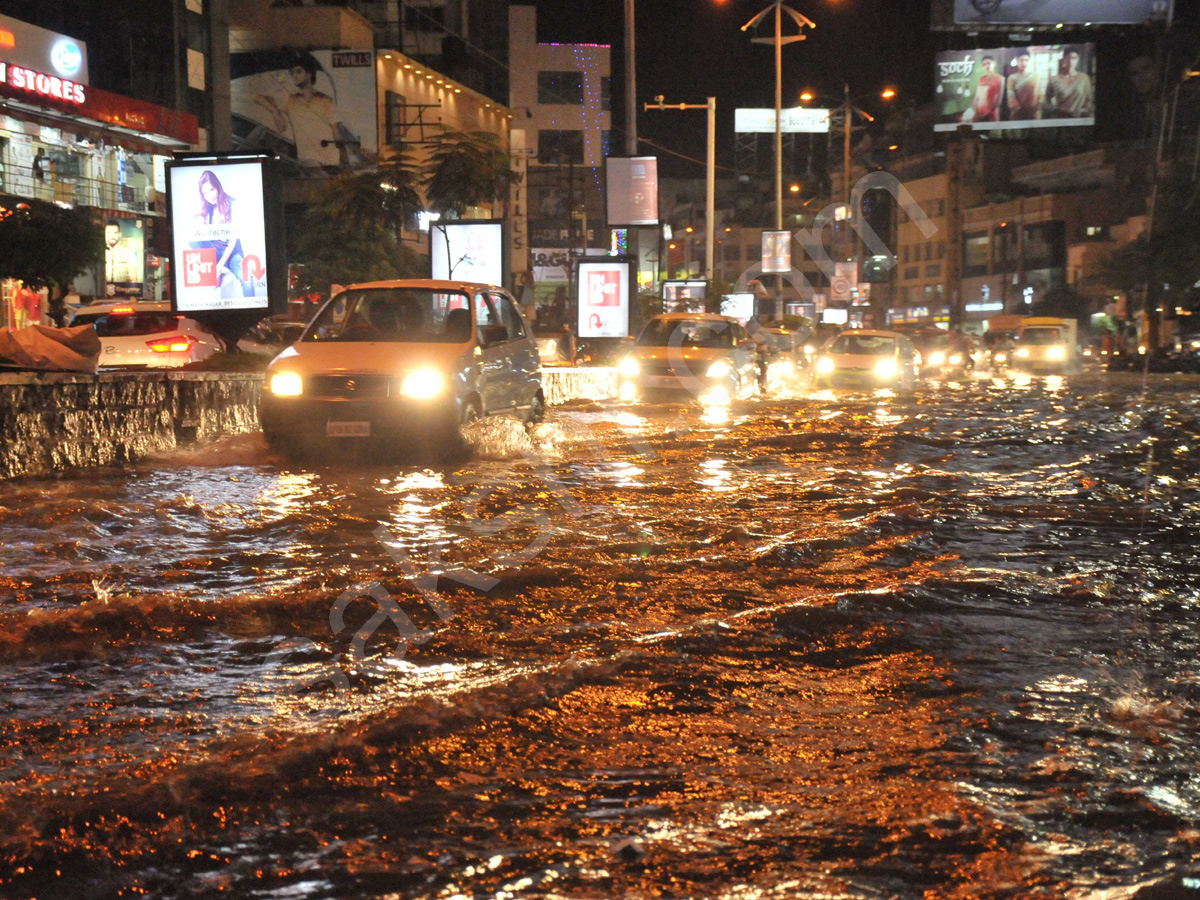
(829, 646)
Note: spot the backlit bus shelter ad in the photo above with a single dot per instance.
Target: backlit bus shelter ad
(1016, 87)
(603, 287)
(219, 235)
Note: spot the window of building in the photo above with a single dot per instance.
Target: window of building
(560, 87)
(928, 251)
(606, 92)
(977, 254)
(1096, 232)
(904, 252)
(941, 250)
(1045, 246)
(933, 270)
(731, 253)
(941, 208)
(560, 147)
(394, 117)
(912, 272)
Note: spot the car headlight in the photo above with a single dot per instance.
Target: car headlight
(956, 359)
(1056, 353)
(1001, 357)
(787, 366)
(629, 367)
(886, 368)
(825, 366)
(286, 384)
(423, 384)
(719, 369)
(1023, 353)
(937, 359)
(809, 349)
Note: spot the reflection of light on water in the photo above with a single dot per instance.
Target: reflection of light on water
(1055, 382)
(715, 415)
(286, 495)
(885, 393)
(414, 481)
(1022, 379)
(630, 420)
(883, 417)
(828, 396)
(718, 478)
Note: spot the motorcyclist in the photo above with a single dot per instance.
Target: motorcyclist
(960, 345)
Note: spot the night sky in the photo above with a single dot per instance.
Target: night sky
(691, 49)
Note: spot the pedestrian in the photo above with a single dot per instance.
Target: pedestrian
(39, 173)
(566, 344)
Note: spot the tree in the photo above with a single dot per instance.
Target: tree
(385, 196)
(351, 233)
(47, 246)
(467, 169)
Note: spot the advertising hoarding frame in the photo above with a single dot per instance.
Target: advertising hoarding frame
(583, 329)
(438, 232)
(1005, 98)
(611, 210)
(974, 14)
(230, 324)
(794, 120)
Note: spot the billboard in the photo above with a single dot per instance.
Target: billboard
(603, 299)
(218, 234)
(47, 52)
(738, 306)
(124, 255)
(776, 252)
(315, 107)
(1016, 87)
(468, 251)
(632, 190)
(1060, 12)
(797, 120)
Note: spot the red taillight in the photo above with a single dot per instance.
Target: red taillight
(177, 344)
(121, 311)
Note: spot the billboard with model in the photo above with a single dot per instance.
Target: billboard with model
(1017, 87)
(1056, 12)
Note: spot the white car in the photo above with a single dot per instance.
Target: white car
(146, 334)
(867, 360)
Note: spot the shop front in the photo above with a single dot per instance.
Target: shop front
(64, 141)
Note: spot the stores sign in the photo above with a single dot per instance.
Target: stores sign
(42, 85)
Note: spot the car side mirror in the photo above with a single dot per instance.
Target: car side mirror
(493, 334)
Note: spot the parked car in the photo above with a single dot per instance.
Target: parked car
(867, 360)
(146, 334)
(271, 335)
(400, 362)
(708, 356)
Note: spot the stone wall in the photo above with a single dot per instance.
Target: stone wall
(54, 421)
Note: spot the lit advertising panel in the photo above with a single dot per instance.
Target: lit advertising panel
(468, 251)
(319, 103)
(56, 55)
(797, 120)
(603, 299)
(776, 252)
(124, 255)
(1016, 87)
(632, 190)
(738, 306)
(1056, 12)
(219, 236)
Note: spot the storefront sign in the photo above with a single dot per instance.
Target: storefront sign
(41, 84)
(30, 47)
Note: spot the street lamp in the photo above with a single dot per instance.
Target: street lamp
(779, 8)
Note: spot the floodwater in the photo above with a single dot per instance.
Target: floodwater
(827, 646)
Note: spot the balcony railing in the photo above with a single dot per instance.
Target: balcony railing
(19, 181)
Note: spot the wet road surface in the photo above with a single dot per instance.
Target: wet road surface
(836, 647)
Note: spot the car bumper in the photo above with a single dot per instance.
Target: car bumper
(386, 420)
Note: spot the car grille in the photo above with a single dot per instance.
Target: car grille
(352, 387)
(696, 367)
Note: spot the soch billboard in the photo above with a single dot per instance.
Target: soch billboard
(1017, 87)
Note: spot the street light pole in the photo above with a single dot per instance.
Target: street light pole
(631, 141)
(710, 199)
(779, 8)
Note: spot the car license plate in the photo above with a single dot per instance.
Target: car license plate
(660, 381)
(347, 429)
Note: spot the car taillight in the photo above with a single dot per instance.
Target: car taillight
(177, 344)
(121, 311)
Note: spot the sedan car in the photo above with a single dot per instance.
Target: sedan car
(710, 357)
(402, 362)
(867, 360)
(146, 334)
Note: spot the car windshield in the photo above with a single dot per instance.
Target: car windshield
(135, 324)
(394, 315)
(864, 345)
(713, 334)
(1039, 337)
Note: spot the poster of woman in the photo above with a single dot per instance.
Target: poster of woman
(220, 236)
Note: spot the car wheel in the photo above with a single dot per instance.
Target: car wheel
(471, 412)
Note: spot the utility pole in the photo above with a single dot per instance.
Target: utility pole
(710, 200)
(631, 140)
